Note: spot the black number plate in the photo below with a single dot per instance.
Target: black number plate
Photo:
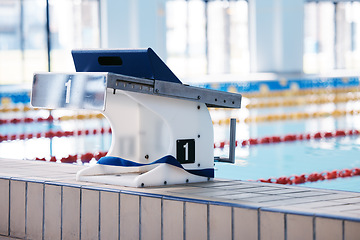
(185, 151)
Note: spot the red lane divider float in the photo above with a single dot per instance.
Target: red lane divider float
(290, 138)
(85, 158)
(50, 118)
(52, 134)
(313, 177)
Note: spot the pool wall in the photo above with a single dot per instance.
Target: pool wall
(46, 206)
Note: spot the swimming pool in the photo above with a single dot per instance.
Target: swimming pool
(328, 112)
(282, 109)
(296, 158)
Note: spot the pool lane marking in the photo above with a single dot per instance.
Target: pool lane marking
(52, 134)
(289, 116)
(313, 177)
(289, 138)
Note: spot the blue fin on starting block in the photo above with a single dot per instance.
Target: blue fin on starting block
(142, 63)
(168, 159)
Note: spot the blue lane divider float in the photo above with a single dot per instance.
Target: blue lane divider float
(15, 94)
(304, 83)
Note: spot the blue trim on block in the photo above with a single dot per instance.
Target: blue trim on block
(116, 161)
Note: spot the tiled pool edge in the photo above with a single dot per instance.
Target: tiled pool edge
(79, 214)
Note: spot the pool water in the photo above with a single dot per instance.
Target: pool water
(296, 158)
(45, 147)
(256, 162)
(276, 160)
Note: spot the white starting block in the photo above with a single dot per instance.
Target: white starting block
(162, 131)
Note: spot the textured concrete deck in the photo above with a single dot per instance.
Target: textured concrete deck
(274, 211)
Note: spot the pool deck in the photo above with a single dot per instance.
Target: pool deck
(35, 195)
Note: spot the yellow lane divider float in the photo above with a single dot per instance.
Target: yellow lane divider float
(300, 92)
(290, 116)
(303, 101)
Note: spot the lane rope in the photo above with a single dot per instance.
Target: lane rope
(25, 108)
(52, 134)
(50, 118)
(289, 116)
(248, 142)
(300, 92)
(302, 101)
(84, 158)
(313, 177)
(289, 138)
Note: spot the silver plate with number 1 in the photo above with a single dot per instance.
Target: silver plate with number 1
(74, 91)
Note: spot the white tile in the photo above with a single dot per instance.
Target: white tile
(71, 213)
(352, 230)
(4, 207)
(245, 224)
(34, 215)
(52, 212)
(195, 221)
(328, 229)
(220, 222)
(299, 227)
(150, 218)
(17, 208)
(90, 214)
(109, 215)
(173, 220)
(129, 216)
(272, 225)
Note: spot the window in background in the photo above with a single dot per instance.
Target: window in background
(348, 35)
(186, 37)
(332, 36)
(319, 37)
(228, 37)
(207, 37)
(24, 46)
(33, 39)
(21, 38)
(73, 24)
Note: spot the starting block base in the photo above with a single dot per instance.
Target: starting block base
(163, 174)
